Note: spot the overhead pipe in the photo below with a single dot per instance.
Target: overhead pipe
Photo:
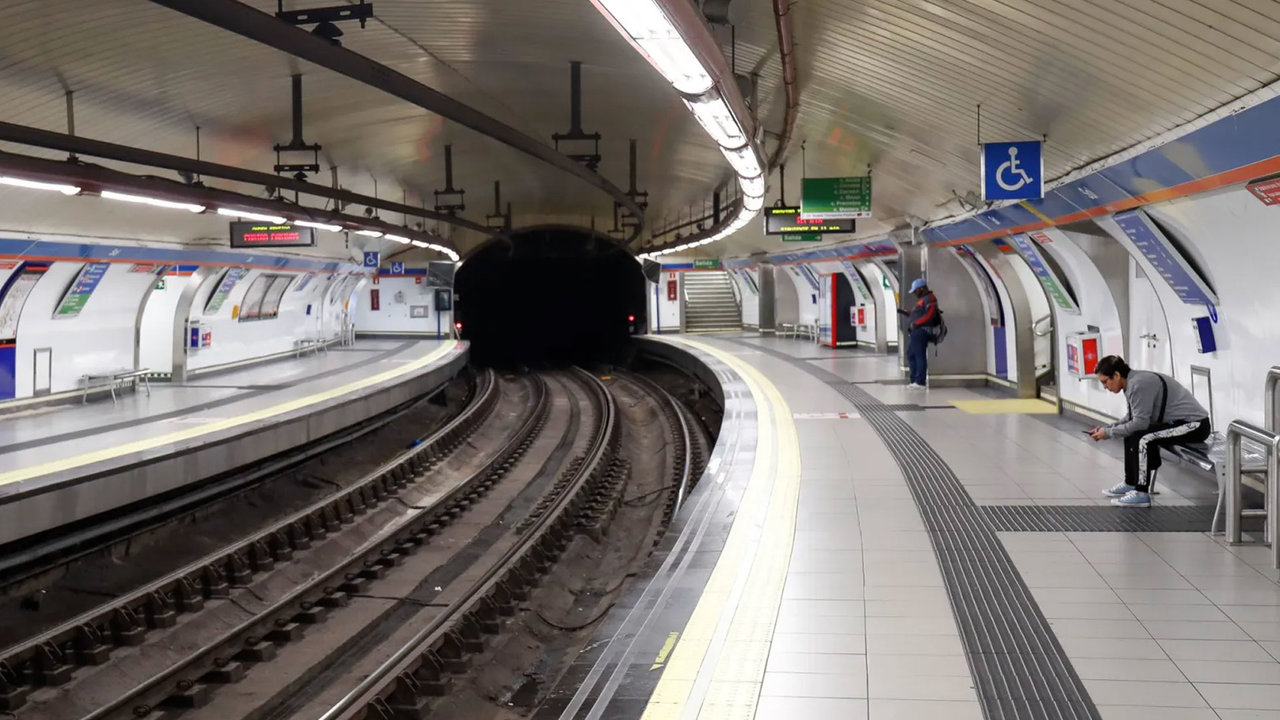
(786, 48)
(248, 22)
(36, 137)
(95, 178)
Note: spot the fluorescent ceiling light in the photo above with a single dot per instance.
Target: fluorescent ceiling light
(713, 113)
(419, 243)
(751, 204)
(369, 233)
(744, 161)
(33, 185)
(645, 23)
(243, 214)
(154, 202)
(318, 225)
(397, 238)
(753, 187)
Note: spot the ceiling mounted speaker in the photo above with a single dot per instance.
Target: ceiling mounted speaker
(716, 11)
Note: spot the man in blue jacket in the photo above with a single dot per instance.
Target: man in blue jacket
(920, 323)
(1162, 413)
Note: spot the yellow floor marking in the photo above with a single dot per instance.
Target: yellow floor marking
(1006, 407)
(89, 458)
(718, 668)
(667, 647)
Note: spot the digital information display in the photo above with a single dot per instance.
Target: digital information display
(260, 235)
(787, 220)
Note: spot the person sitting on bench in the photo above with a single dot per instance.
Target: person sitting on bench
(1162, 413)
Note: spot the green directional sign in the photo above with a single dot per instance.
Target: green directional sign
(801, 237)
(836, 198)
(706, 264)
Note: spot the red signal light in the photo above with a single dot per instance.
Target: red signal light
(631, 318)
(457, 326)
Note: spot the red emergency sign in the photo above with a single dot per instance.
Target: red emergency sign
(374, 301)
(672, 294)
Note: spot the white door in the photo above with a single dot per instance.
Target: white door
(1148, 327)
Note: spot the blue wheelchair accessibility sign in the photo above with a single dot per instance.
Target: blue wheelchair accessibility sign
(372, 258)
(397, 268)
(1013, 171)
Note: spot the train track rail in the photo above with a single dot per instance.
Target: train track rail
(405, 683)
(53, 657)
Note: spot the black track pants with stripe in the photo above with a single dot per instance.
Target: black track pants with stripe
(1142, 450)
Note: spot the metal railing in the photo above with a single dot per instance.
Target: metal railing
(1236, 513)
(1269, 400)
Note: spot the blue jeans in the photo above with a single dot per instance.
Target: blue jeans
(917, 355)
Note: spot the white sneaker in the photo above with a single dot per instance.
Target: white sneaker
(915, 386)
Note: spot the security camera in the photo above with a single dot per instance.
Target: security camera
(368, 212)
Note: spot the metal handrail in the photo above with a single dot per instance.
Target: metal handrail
(1235, 513)
(1269, 400)
(1038, 333)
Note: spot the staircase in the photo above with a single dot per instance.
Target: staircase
(710, 304)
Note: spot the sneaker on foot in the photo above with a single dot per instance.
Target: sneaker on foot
(1135, 499)
(1118, 491)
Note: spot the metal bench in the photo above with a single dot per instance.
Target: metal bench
(114, 379)
(1208, 458)
(303, 345)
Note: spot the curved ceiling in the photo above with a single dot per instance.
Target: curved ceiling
(889, 84)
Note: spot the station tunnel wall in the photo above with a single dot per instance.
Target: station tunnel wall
(549, 296)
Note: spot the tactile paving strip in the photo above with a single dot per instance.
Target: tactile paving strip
(1021, 670)
(1064, 518)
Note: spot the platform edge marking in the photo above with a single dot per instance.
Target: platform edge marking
(35, 471)
(718, 667)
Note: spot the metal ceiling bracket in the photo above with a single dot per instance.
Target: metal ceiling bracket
(325, 17)
(251, 23)
(640, 197)
(450, 200)
(591, 160)
(498, 220)
(297, 144)
(71, 120)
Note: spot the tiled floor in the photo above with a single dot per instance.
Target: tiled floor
(1159, 621)
(1163, 625)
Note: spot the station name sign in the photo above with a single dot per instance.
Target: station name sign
(787, 220)
(260, 235)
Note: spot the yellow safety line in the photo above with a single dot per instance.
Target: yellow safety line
(88, 458)
(717, 668)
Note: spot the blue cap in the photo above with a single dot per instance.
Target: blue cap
(917, 284)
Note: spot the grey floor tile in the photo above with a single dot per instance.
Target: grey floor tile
(1162, 670)
(839, 625)
(809, 643)
(904, 626)
(1075, 595)
(1237, 650)
(1268, 631)
(1195, 630)
(920, 709)
(824, 663)
(1099, 628)
(1147, 694)
(1139, 712)
(1241, 697)
(1085, 611)
(809, 540)
(912, 574)
(792, 708)
(914, 645)
(1218, 671)
(823, 608)
(891, 665)
(1164, 597)
(1252, 613)
(826, 561)
(918, 686)
(1199, 613)
(821, 685)
(822, 586)
(1113, 648)
(914, 607)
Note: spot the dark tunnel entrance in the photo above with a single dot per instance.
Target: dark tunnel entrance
(549, 296)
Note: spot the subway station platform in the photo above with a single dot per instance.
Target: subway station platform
(858, 549)
(60, 464)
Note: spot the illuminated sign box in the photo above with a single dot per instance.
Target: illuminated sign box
(787, 220)
(263, 235)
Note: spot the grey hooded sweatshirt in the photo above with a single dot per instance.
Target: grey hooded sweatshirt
(1143, 395)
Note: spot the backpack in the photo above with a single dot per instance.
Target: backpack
(939, 330)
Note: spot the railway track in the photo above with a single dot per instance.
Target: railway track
(411, 572)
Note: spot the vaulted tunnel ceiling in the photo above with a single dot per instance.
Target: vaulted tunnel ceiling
(890, 84)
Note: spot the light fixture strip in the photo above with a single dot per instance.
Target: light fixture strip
(154, 202)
